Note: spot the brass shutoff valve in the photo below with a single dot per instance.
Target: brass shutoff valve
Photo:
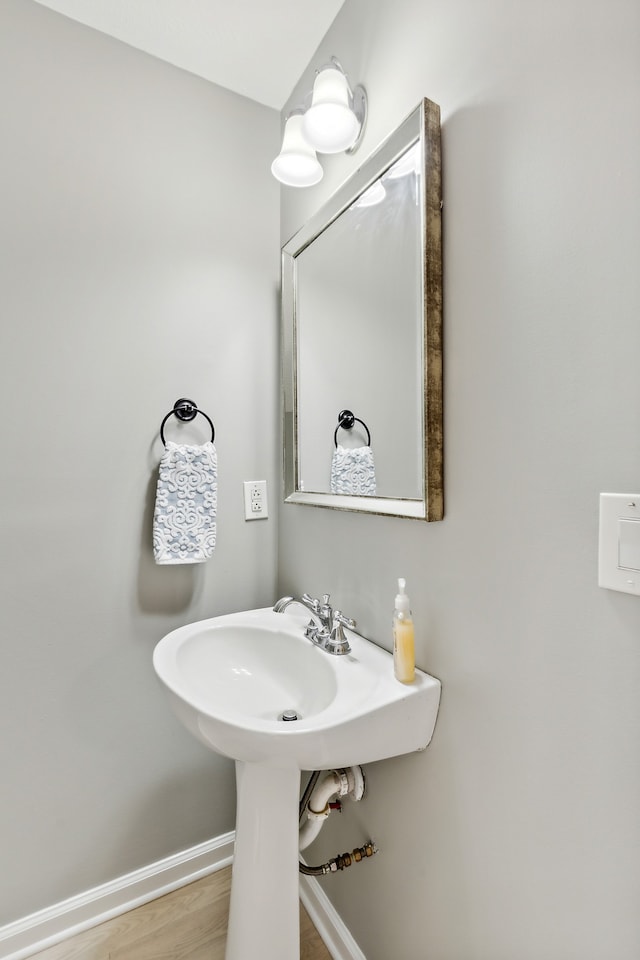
(344, 860)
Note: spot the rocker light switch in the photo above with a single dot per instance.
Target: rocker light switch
(619, 550)
(629, 545)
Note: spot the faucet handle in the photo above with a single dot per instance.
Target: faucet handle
(348, 622)
(337, 642)
(313, 603)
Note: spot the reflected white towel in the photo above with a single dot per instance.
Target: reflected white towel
(353, 471)
(184, 520)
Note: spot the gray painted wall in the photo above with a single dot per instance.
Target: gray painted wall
(139, 264)
(130, 277)
(516, 835)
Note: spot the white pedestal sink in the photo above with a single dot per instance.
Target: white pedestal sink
(229, 679)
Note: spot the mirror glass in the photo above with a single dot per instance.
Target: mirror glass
(362, 331)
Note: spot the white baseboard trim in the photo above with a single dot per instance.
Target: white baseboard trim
(328, 922)
(29, 935)
(39, 930)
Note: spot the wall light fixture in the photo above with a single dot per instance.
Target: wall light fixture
(296, 165)
(334, 123)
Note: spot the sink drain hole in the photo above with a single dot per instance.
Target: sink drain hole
(288, 715)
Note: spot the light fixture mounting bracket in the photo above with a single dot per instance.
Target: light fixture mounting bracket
(359, 99)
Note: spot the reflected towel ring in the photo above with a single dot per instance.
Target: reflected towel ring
(346, 420)
(186, 410)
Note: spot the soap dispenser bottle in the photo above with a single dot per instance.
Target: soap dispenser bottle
(404, 662)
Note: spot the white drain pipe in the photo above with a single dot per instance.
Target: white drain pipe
(343, 782)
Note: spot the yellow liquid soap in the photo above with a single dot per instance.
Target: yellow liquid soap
(404, 662)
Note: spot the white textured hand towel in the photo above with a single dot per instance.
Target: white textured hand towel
(353, 471)
(184, 520)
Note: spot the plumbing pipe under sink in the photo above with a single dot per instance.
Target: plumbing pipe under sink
(344, 782)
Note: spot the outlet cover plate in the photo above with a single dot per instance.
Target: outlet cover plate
(255, 500)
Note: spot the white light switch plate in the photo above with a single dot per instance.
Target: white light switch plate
(619, 546)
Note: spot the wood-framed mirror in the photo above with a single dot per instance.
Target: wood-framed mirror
(362, 336)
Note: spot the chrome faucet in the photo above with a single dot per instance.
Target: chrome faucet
(325, 629)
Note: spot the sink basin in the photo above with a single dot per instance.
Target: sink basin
(231, 678)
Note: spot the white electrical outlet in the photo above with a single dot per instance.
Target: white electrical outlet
(255, 500)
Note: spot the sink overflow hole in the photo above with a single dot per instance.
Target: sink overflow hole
(288, 715)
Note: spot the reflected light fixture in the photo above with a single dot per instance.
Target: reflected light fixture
(408, 163)
(373, 195)
(334, 123)
(296, 165)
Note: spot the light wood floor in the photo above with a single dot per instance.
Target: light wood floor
(188, 924)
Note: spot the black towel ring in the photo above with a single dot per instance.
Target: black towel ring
(186, 410)
(346, 420)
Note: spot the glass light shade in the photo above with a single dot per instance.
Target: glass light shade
(296, 165)
(330, 125)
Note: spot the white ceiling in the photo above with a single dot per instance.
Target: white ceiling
(258, 48)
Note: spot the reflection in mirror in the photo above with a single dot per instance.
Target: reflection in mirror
(362, 309)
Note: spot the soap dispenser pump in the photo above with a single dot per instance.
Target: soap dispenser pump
(404, 662)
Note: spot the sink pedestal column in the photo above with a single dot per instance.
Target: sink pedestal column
(264, 918)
